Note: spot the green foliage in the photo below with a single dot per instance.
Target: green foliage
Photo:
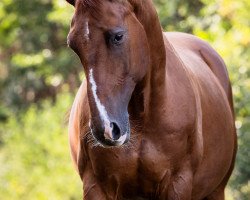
(33, 51)
(178, 15)
(35, 159)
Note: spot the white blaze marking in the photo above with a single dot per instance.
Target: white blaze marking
(103, 113)
(100, 107)
(86, 30)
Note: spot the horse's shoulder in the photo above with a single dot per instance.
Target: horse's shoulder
(78, 124)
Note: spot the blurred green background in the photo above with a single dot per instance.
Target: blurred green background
(39, 76)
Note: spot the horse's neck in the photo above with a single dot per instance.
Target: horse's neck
(153, 84)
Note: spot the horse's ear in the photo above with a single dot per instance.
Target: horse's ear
(72, 2)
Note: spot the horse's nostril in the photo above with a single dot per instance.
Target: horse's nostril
(116, 133)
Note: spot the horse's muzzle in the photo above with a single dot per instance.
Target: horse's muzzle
(112, 134)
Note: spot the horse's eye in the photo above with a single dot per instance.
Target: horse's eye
(115, 37)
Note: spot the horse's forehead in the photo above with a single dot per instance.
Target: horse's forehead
(97, 12)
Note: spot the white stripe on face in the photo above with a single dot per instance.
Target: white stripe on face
(101, 109)
(86, 31)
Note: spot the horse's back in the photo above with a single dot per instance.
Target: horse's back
(190, 44)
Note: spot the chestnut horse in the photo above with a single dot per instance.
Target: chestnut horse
(154, 118)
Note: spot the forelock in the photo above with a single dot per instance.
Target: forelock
(92, 3)
(94, 6)
(97, 3)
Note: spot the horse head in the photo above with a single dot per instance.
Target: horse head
(113, 47)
